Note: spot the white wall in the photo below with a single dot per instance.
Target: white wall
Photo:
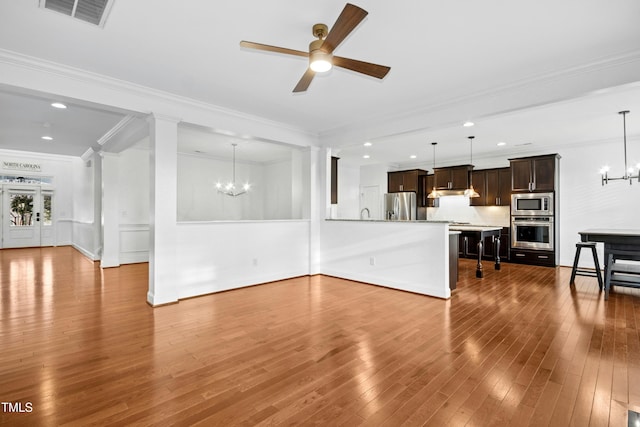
(375, 176)
(217, 256)
(278, 177)
(402, 255)
(348, 191)
(585, 203)
(277, 190)
(133, 205)
(84, 224)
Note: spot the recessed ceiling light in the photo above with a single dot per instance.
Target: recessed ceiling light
(501, 144)
(413, 156)
(59, 105)
(468, 124)
(368, 144)
(366, 156)
(47, 138)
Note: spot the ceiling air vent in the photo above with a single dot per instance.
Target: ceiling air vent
(92, 11)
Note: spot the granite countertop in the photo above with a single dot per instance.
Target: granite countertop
(469, 227)
(453, 226)
(418, 221)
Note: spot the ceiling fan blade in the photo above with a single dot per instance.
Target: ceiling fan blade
(305, 81)
(349, 19)
(373, 70)
(269, 48)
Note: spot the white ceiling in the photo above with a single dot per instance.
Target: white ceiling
(437, 51)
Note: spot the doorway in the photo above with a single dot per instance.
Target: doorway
(27, 216)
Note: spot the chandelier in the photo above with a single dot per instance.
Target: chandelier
(628, 171)
(230, 187)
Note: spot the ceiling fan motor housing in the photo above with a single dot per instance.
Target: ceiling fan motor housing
(320, 31)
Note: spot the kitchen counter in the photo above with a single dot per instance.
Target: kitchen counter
(407, 255)
(480, 232)
(465, 227)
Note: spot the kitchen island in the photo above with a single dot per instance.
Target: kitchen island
(411, 256)
(480, 233)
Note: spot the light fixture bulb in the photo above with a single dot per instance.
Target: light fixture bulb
(47, 138)
(59, 105)
(320, 65)
(319, 60)
(468, 124)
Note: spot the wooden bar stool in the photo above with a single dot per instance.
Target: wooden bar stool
(586, 272)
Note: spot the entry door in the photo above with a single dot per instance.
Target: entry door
(26, 215)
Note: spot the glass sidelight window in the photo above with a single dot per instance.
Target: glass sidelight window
(46, 209)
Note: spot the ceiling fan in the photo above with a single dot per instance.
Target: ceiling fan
(321, 57)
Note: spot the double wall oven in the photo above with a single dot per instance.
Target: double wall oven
(532, 221)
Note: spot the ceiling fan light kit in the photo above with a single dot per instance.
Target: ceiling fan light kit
(321, 58)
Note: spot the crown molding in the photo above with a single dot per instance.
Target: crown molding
(157, 97)
(111, 133)
(438, 114)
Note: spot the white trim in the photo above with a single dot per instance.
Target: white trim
(156, 96)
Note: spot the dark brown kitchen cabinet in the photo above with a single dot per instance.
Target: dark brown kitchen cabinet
(493, 185)
(478, 179)
(534, 174)
(426, 187)
(505, 243)
(468, 245)
(498, 187)
(453, 261)
(407, 180)
(533, 257)
(452, 178)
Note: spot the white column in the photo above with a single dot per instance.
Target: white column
(97, 240)
(316, 208)
(110, 209)
(163, 210)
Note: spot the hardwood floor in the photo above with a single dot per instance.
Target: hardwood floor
(520, 347)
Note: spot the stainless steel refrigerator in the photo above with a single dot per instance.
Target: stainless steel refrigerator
(400, 206)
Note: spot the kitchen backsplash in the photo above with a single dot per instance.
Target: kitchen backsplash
(456, 208)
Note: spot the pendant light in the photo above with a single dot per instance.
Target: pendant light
(627, 170)
(434, 194)
(470, 192)
(230, 188)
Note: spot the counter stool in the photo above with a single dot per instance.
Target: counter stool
(586, 272)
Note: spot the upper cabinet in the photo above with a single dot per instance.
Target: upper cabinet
(407, 180)
(499, 187)
(423, 195)
(452, 178)
(493, 185)
(479, 181)
(534, 174)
